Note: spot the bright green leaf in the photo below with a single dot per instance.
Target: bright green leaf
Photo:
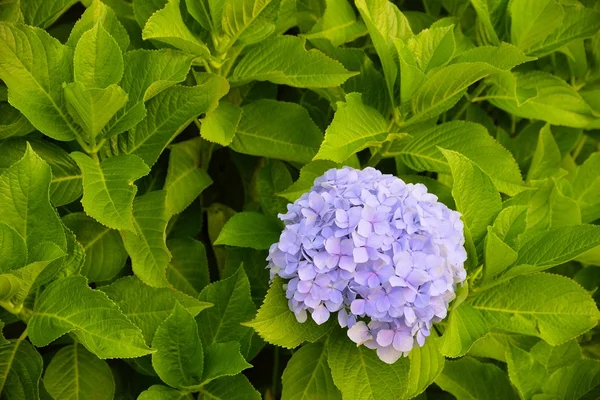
(98, 61)
(223, 359)
(475, 195)
(146, 306)
(146, 245)
(232, 306)
(219, 126)
(105, 254)
(69, 305)
(285, 61)
(169, 112)
(108, 189)
(546, 158)
(420, 152)
(229, 388)
(551, 307)
(34, 66)
(465, 327)
(92, 109)
(179, 358)
(355, 126)
(249, 229)
(277, 324)
(185, 180)
(24, 194)
(75, 373)
(188, 269)
(20, 370)
(360, 374)
(469, 379)
(307, 375)
(279, 130)
(338, 24)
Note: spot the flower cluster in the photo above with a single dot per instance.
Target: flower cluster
(383, 254)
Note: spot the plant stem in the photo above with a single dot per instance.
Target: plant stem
(275, 376)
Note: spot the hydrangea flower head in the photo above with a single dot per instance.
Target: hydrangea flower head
(383, 254)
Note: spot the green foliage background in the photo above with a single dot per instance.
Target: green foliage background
(146, 147)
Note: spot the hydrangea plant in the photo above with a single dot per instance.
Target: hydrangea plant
(299, 199)
(383, 254)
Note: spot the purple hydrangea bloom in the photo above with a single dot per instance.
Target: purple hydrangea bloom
(383, 254)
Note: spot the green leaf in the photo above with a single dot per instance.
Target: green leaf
(232, 306)
(146, 245)
(555, 357)
(169, 113)
(249, 229)
(159, 392)
(207, 12)
(468, 379)
(13, 123)
(475, 195)
(10, 11)
(108, 189)
(525, 372)
(586, 188)
(185, 180)
(498, 255)
(147, 73)
(34, 66)
(277, 324)
(338, 24)
(247, 20)
(69, 305)
(43, 264)
(578, 22)
(495, 344)
(551, 307)
(179, 358)
(273, 177)
(147, 307)
(546, 159)
(544, 249)
(98, 62)
(92, 109)
(465, 327)
(421, 153)
(24, 192)
(43, 14)
(284, 60)
(578, 381)
(20, 370)
(66, 184)
(167, 25)
(105, 254)
(229, 388)
(532, 22)
(360, 374)
(385, 22)
(99, 13)
(223, 359)
(445, 86)
(279, 130)
(13, 250)
(510, 223)
(307, 375)
(188, 269)
(492, 16)
(426, 364)
(433, 47)
(75, 373)
(308, 174)
(219, 126)
(355, 126)
(556, 102)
